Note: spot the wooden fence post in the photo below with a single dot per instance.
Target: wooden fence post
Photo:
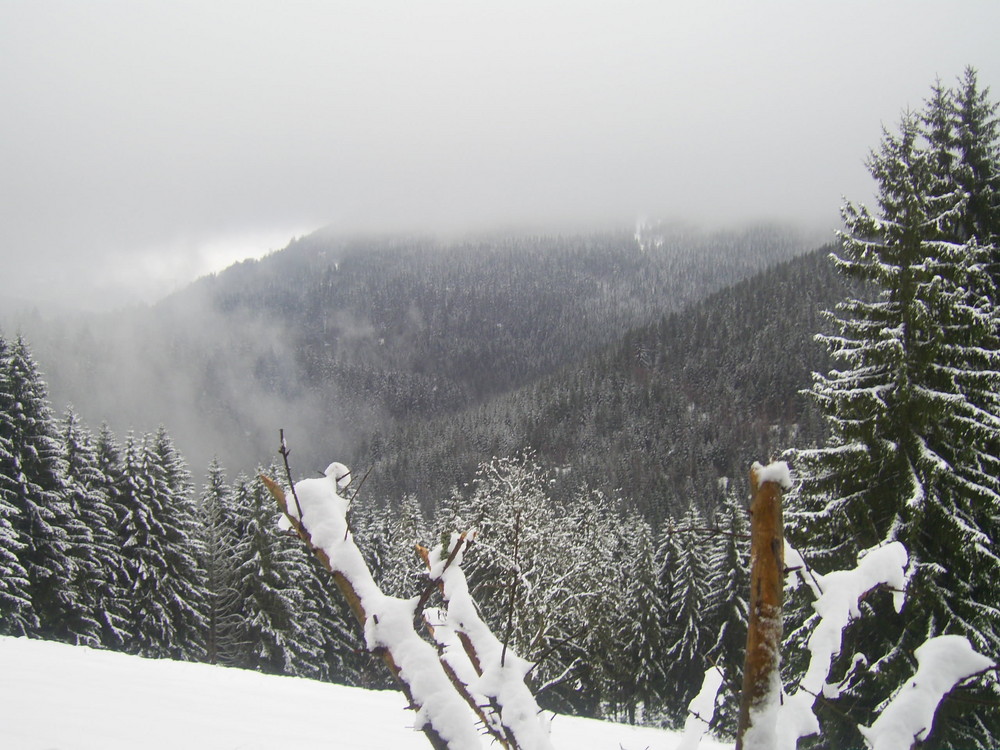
(761, 679)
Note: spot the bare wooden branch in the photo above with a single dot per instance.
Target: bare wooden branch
(284, 452)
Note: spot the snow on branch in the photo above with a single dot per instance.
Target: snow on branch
(701, 709)
(500, 673)
(942, 664)
(320, 519)
(836, 606)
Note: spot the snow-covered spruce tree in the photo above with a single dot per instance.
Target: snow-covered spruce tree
(688, 615)
(387, 536)
(976, 142)
(218, 544)
(342, 656)
(914, 421)
(111, 476)
(16, 614)
(639, 671)
(730, 566)
(53, 538)
(98, 562)
(165, 585)
(272, 631)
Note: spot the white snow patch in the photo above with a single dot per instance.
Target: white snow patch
(701, 710)
(837, 606)
(777, 472)
(58, 696)
(942, 663)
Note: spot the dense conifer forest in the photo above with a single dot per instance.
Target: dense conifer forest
(335, 338)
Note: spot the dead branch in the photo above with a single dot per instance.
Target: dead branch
(347, 590)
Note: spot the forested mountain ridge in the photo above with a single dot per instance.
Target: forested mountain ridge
(661, 417)
(335, 337)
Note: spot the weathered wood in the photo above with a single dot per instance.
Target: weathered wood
(767, 563)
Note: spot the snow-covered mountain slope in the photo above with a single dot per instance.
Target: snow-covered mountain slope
(54, 696)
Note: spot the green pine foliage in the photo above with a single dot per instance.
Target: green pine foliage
(99, 560)
(275, 630)
(53, 538)
(218, 516)
(730, 565)
(639, 672)
(165, 585)
(16, 615)
(912, 406)
(689, 613)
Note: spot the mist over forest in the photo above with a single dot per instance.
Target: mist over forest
(339, 339)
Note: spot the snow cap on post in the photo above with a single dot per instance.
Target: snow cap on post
(777, 472)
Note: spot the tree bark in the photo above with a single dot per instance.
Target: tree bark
(761, 680)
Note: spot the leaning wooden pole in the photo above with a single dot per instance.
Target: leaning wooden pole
(761, 681)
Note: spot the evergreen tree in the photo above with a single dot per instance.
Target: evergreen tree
(913, 415)
(688, 615)
(340, 654)
(44, 522)
(16, 614)
(274, 630)
(219, 540)
(111, 476)
(640, 675)
(404, 528)
(730, 564)
(183, 587)
(99, 560)
(977, 173)
(159, 547)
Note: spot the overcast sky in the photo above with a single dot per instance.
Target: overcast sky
(145, 143)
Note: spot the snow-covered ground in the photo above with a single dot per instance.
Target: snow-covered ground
(54, 696)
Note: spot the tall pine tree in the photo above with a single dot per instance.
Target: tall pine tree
(219, 538)
(98, 560)
(688, 613)
(16, 614)
(159, 548)
(730, 564)
(913, 417)
(51, 536)
(275, 630)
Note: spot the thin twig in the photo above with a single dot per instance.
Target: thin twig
(283, 450)
(362, 482)
(552, 649)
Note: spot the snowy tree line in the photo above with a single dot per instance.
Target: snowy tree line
(103, 543)
(107, 544)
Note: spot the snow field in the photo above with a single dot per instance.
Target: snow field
(59, 697)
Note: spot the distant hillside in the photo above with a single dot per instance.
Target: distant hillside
(335, 338)
(660, 417)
